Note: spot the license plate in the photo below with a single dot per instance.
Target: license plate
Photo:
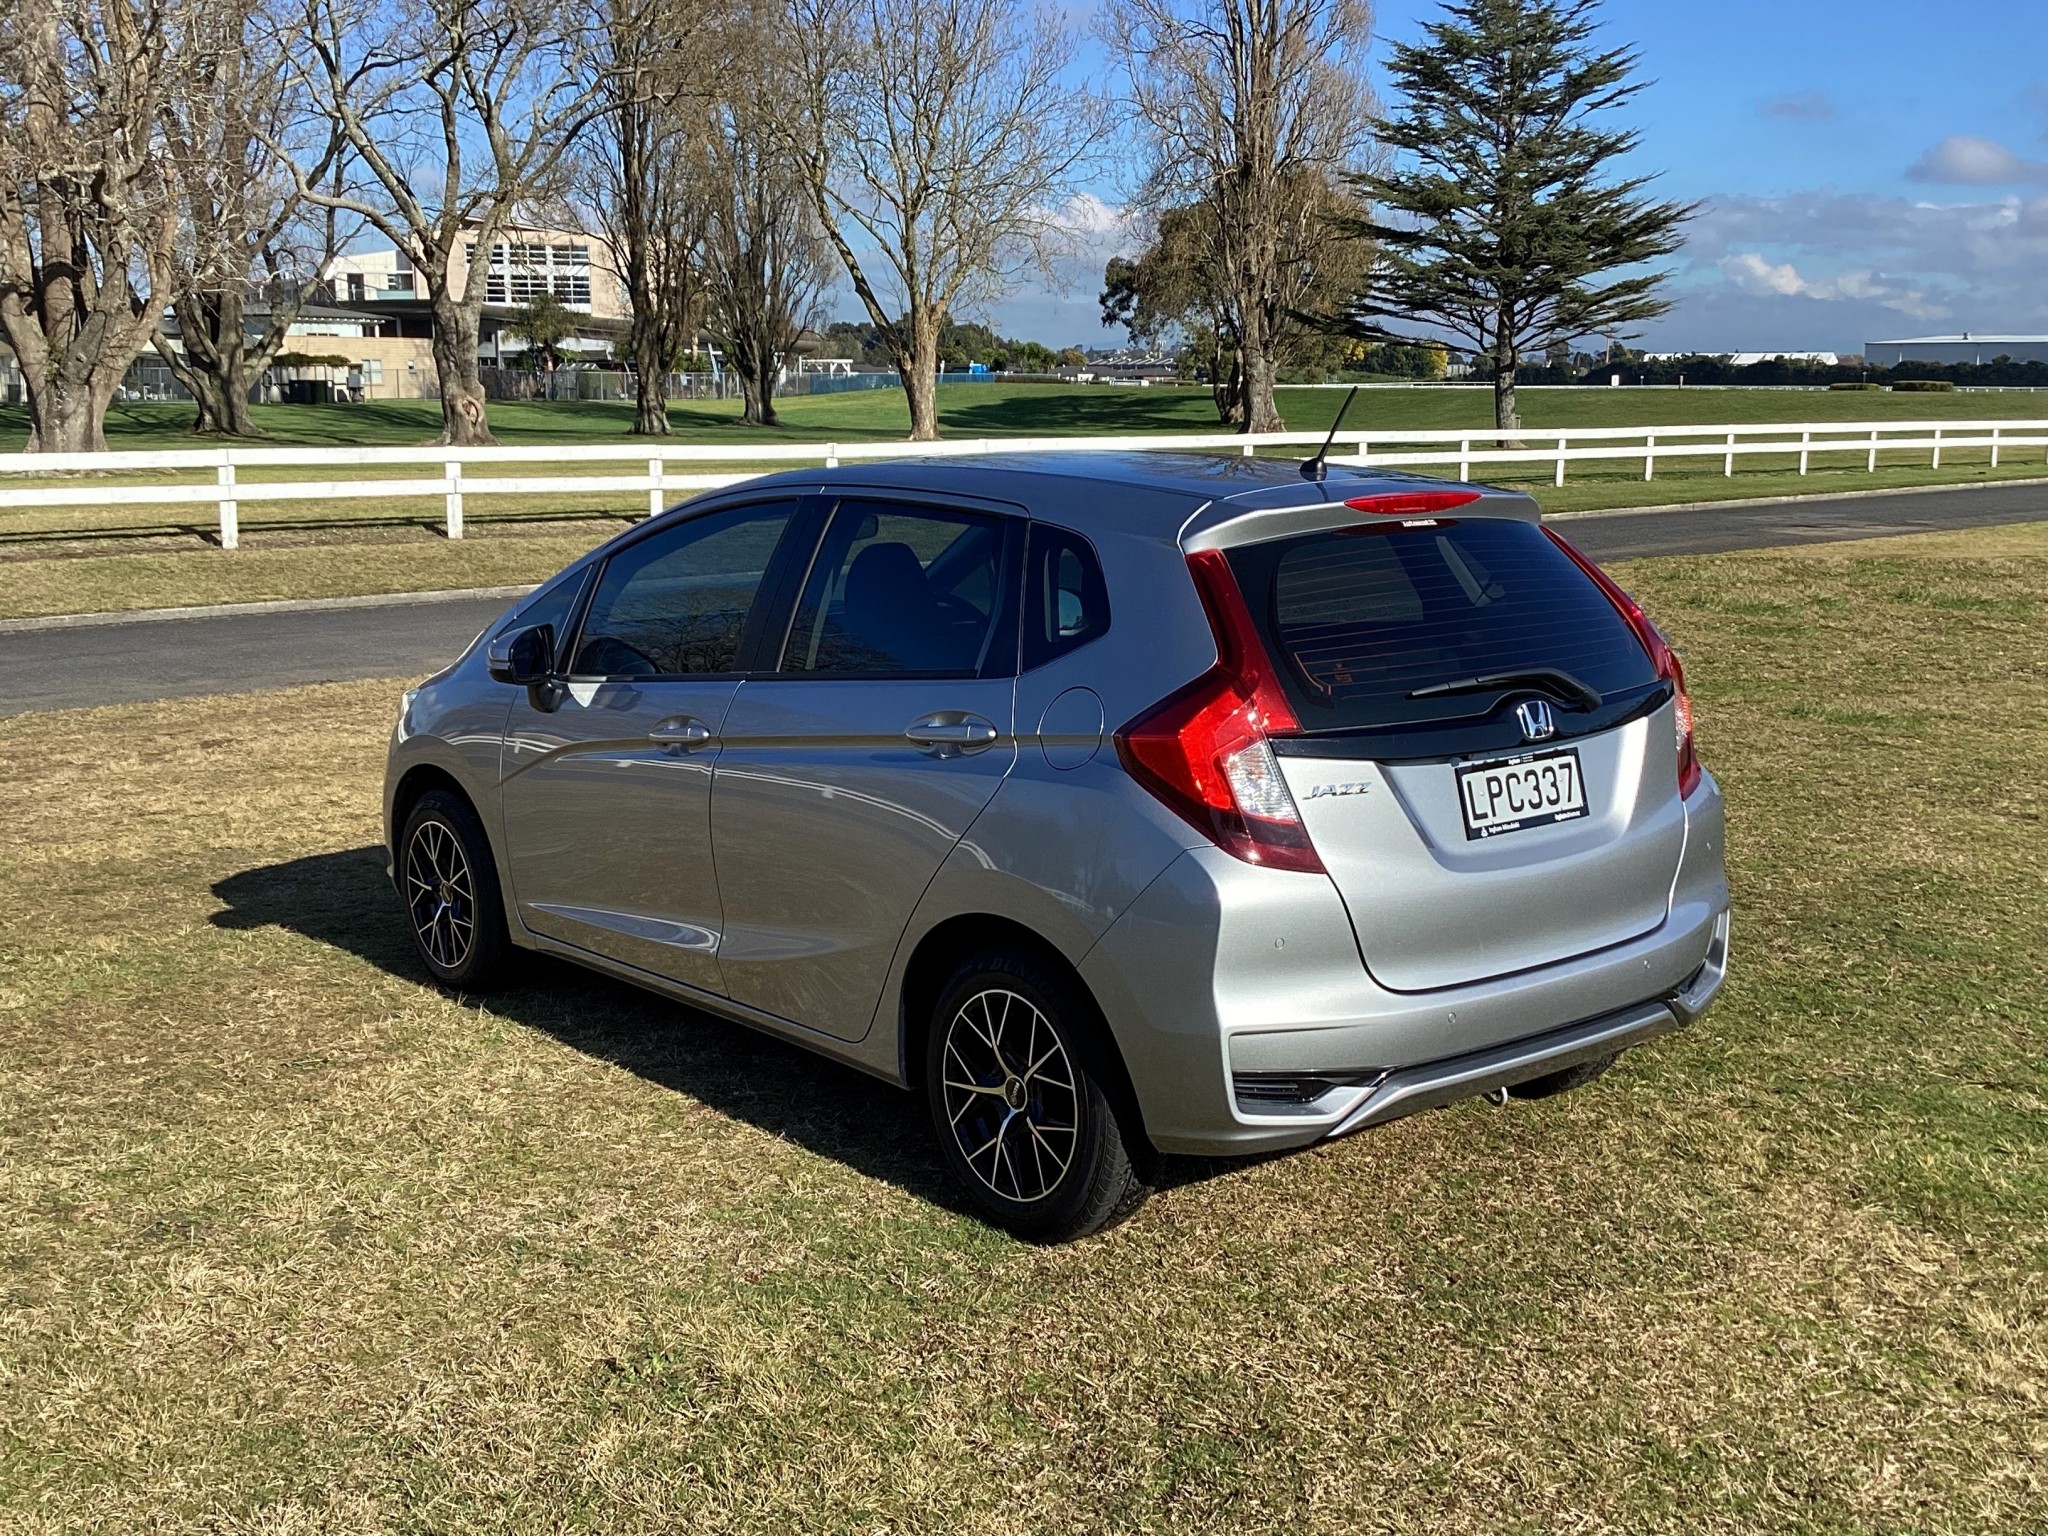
(1522, 792)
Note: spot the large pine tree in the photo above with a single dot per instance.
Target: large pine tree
(1499, 224)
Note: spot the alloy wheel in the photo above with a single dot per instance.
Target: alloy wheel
(1011, 1095)
(440, 894)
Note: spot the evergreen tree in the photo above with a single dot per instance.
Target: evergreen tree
(1498, 224)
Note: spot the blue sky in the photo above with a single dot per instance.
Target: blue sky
(1870, 169)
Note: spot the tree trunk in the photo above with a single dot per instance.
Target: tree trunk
(650, 383)
(918, 367)
(755, 365)
(1260, 412)
(215, 364)
(1226, 388)
(1505, 416)
(69, 415)
(465, 419)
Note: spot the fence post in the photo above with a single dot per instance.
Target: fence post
(1937, 448)
(1361, 453)
(1873, 450)
(454, 469)
(230, 511)
(1650, 457)
(1805, 451)
(654, 488)
(1248, 450)
(1994, 447)
(1465, 459)
(1562, 444)
(831, 455)
(1728, 464)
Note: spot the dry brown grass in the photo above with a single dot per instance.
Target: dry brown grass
(289, 1241)
(414, 560)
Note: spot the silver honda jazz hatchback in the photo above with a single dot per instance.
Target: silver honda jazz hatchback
(1116, 804)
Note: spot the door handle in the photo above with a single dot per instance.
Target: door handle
(954, 729)
(680, 735)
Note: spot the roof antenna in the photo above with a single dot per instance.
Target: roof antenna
(1318, 468)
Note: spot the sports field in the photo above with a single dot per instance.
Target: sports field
(67, 560)
(292, 1242)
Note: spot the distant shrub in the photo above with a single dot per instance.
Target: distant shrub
(1858, 387)
(1924, 387)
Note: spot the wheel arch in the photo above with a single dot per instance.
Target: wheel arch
(413, 785)
(939, 952)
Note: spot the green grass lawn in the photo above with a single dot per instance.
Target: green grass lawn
(74, 559)
(1051, 410)
(290, 1241)
(1033, 410)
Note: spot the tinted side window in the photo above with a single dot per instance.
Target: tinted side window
(676, 603)
(899, 591)
(1066, 603)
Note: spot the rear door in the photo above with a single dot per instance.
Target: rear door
(1488, 765)
(846, 778)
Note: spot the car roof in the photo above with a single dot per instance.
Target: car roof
(1068, 485)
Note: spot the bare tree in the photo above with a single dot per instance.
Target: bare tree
(765, 260)
(642, 169)
(88, 225)
(1254, 108)
(245, 232)
(939, 143)
(456, 115)
(1176, 288)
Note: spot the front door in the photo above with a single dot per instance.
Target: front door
(607, 774)
(844, 780)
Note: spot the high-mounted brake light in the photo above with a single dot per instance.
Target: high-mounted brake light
(1205, 751)
(1662, 657)
(1412, 503)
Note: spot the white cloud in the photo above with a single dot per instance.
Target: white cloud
(1750, 272)
(1833, 270)
(1086, 214)
(1967, 161)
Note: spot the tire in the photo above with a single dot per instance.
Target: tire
(983, 1082)
(448, 883)
(1554, 1083)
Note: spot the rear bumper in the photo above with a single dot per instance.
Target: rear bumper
(1248, 1023)
(1414, 1089)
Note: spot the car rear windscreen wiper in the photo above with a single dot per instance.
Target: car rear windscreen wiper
(1552, 680)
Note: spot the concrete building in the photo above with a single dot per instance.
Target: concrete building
(1970, 347)
(579, 270)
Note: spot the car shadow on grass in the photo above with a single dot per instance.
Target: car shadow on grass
(342, 899)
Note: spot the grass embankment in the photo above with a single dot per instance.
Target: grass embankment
(294, 1242)
(56, 560)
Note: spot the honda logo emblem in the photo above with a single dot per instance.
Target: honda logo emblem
(1536, 720)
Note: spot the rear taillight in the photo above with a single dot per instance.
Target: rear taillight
(1205, 750)
(1661, 656)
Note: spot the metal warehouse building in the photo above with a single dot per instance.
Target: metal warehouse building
(1966, 348)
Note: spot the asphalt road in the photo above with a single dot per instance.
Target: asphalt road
(241, 653)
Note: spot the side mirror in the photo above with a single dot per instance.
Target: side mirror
(525, 657)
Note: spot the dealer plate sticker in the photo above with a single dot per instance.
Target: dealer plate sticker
(1523, 792)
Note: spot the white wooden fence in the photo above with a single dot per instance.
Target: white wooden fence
(667, 466)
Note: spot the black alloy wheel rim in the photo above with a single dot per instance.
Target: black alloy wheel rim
(1011, 1095)
(440, 894)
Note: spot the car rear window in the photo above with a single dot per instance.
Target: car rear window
(1358, 619)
